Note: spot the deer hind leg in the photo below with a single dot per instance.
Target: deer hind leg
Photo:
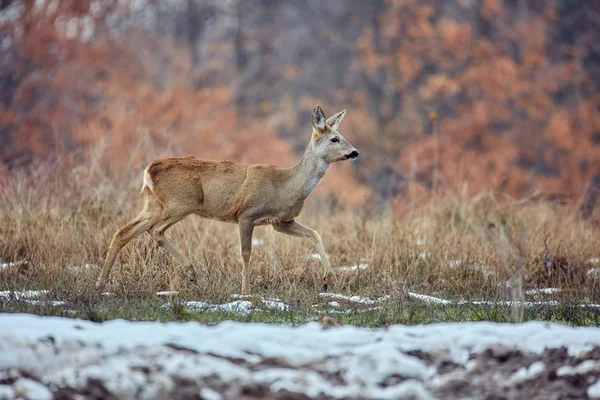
(128, 232)
(134, 228)
(157, 232)
(294, 228)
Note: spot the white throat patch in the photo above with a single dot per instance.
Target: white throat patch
(314, 180)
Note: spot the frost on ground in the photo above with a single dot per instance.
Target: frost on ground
(548, 291)
(354, 299)
(30, 297)
(243, 305)
(351, 268)
(42, 357)
(76, 268)
(505, 303)
(18, 264)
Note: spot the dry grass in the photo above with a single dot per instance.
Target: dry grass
(62, 214)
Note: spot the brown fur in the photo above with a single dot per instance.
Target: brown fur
(249, 195)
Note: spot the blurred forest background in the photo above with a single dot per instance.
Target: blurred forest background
(457, 95)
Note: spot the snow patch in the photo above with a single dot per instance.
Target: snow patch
(593, 272)
(25, 294)
(30, 389)
(504, 303)
(583, 368)
(543, 291)
(353, 267)
(354, 299)
(6, 392)
(167, 293)
(593, 391)
(5, 266)
(269, 303)
(240, 306)
(273, 304)
(209, 394)
(428, 299)
(11, 13)
(237, 307)
(85, 267)
(29, 297)
(353, 310)
(340, 362)
(526, 373)
(6, 43)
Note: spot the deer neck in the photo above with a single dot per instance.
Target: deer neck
(309, 171)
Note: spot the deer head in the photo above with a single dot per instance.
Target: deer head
(329, 144)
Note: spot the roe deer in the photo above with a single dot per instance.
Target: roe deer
(248, 195)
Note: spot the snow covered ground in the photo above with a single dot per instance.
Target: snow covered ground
(42, 357)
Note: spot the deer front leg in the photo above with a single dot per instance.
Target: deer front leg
(294, 228)
(246, 230)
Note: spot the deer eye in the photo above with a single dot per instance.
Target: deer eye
(335, 140)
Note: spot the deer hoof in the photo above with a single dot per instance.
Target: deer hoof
(99, 286)
(97, 292)
(193, 280)
(325, 284)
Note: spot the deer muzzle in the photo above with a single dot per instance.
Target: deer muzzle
(353, 155)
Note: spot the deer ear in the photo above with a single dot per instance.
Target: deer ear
(335, 120)
(318, 119)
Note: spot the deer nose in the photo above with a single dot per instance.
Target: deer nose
(353, 155)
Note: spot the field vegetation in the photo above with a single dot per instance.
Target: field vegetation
(474, 255)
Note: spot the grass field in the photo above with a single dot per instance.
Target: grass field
(472, 254)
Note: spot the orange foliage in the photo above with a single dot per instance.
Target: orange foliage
(515, 94)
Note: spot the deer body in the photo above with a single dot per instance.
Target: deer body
(249, 195)
(221, 190)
